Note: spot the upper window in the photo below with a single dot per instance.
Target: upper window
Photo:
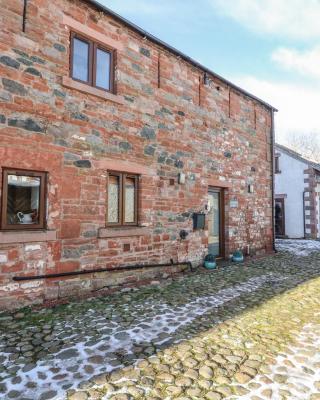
(92, 63)
(277, 164)
(122, 199)
(23, 199)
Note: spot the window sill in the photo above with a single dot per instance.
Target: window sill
(123, 232)
(27, 236)
(82, 87)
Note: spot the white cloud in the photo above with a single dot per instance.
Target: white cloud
(305, 62)
(297, 19)
(298, 105)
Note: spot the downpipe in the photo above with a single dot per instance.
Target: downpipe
(273, 182)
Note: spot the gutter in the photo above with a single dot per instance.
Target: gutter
(173, 50)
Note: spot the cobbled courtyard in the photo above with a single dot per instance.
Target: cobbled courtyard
(249, 331)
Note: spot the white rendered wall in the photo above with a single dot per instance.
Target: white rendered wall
(291, 182)
(318, 210)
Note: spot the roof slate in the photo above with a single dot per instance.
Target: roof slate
(297, 156)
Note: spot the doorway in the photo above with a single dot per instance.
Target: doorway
(279, 218)
(216, 222)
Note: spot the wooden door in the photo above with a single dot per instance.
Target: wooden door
(279, 218)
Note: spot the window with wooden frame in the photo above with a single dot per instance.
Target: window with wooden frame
(23, 199)
(122, 199)
(277, 164)
(92, 63)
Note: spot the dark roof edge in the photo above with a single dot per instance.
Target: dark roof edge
(297, 156)
(173, 50)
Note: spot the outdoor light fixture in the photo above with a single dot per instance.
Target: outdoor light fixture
(183, 234)
(250, 188)
(199, 220)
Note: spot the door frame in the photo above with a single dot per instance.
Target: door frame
(281, 200)
(222, 244)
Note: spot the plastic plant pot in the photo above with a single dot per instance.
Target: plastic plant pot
(210, 262)
(237, 257)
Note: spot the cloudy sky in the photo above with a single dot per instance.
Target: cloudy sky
(269, 47)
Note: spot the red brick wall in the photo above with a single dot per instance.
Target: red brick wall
(183, 126)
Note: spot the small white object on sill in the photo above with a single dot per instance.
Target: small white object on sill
(181, 178)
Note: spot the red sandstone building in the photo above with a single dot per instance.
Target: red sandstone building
(115, 148)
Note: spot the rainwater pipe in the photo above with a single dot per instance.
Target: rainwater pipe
(304, 214)
(96, 271)
(273, 180)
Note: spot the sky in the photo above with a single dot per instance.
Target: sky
(271, 48)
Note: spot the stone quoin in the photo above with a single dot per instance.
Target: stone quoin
(181, 139)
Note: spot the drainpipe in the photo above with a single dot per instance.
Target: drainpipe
(273, 180)
(95, 271)
(304, 214)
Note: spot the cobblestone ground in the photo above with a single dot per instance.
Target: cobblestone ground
(248, 331)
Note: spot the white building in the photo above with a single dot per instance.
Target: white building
(297, 194)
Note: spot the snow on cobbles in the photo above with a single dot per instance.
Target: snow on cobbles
(299, 247)
(82, 360)
(296, 372)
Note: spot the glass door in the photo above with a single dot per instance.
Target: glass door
(215, 223)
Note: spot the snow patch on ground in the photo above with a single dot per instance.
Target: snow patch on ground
(299, 247)
(62, 373)
(299, 366)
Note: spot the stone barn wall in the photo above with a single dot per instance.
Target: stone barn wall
(163, 120)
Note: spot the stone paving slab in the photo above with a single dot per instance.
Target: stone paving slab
(204, 336)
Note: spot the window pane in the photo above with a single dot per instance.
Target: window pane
(23, 200)
(80, 60)
(113, 199)
(103, 69)
(277, 164)
(130, 200)
(214, 224)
